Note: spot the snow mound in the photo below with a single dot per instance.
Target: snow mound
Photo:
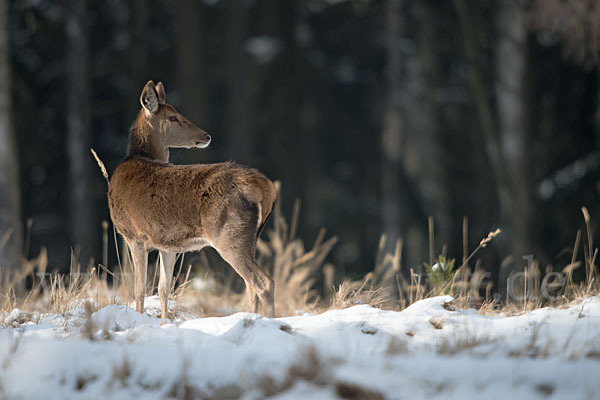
(429, 350)
(240, 327)
(119, 318)
(431, 306)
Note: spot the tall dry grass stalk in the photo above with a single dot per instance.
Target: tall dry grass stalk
(295, 269)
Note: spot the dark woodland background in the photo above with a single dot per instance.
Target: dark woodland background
(375, 114)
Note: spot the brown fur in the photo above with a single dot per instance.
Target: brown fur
(166, 206)
(180, 208)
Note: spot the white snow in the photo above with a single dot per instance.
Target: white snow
(439, 266)
(429, 350)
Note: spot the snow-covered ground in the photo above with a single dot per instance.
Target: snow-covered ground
(429, 350)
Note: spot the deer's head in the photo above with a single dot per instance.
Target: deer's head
(169, 128)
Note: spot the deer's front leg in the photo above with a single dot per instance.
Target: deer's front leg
(167, 262)
(139, 256)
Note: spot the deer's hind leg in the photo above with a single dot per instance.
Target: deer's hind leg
(258, 284)
(237, 247)
(252, 297)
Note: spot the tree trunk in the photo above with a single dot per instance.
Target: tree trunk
(240, 143)
(510, 90)
(392, 133)
(422, 157)
(505, 127)
(188, 49)
(306, 113)
(10, 194)
(138, 17)
(81, 221)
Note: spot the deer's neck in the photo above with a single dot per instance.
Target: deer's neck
(142, 142)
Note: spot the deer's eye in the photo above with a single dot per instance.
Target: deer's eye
(173, 119)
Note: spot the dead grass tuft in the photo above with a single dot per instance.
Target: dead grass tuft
(437, 323)
(90, 328)
(545, 389)
(83, 380)
(352, 391)
(308, 367)
(466, 341)
(595, 354)
(397, 346)
(533, 349)
(227, 392)
(286, 328)
(122, 371)
(311, 368)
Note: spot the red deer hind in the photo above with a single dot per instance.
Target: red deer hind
(156, 205)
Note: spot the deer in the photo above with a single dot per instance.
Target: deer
(156, 205)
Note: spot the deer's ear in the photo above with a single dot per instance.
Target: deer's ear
(149, 98)
(160, 91)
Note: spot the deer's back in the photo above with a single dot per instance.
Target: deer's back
(170, 206)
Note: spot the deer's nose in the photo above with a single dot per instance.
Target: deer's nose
(208, 137)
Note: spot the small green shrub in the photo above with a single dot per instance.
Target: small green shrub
(440, 274)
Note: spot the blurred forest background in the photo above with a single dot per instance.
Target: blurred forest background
(376, 114)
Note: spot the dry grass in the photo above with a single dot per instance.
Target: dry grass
(463, 342)
(309, 367)
(298, 272)
(294, 269)
(312, 368)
